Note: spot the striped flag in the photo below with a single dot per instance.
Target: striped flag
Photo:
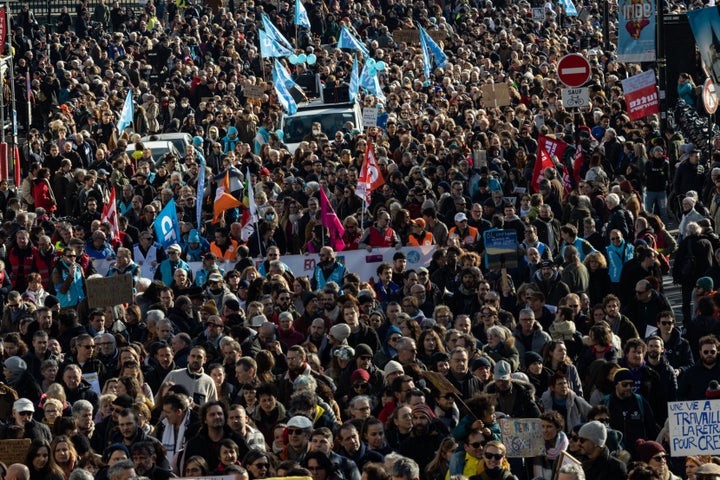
(223, 200)
(109, 214)
(249, 214)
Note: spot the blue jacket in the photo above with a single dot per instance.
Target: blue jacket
(617, 256)
(76, 292)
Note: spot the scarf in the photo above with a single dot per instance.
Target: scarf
(172, 443)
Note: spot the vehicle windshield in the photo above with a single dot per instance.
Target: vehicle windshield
(297, 127)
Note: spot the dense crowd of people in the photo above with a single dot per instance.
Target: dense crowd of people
(229, 363)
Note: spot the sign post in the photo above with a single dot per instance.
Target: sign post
(574, 70)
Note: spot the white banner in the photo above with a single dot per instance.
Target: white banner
(361, 262)
(694, 428)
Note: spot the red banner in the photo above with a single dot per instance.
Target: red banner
(3, 30)
(641, 95)
(553, 146)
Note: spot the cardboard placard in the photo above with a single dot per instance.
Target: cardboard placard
(110, 291)
(522, 437)
(407, 35)
(565, 459)
(496, 95)
(369, 117)
(254, 91)
(693, 427)
(14, 451)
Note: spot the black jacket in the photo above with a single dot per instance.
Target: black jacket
(604, 467)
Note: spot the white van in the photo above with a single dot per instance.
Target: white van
(332, 117)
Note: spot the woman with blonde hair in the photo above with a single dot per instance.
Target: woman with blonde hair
(599, 277)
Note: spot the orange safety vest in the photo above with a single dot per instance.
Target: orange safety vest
(427, 239)
(470, 237)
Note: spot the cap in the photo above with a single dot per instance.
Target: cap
(622, 375)
(546, 264)
(391, 367)
(460, 217)
(174, 248)
(215, 277)
(104, 172)
(708, 469)
(23, 405)
(300, 421)
(244, 284)
(359, 374)
(502, 370)
(340, 332)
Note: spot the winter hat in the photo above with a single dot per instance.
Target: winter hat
(532, 357)
(123, 401)
(51, 301)
(706, 283)
(362, 349)
(626, 186)
(713, 390)
(232, 304)
(340, 332)
(480, 362)
(622, 375)
(359, 374)
(423, 409)
(210, 307)
(113, 448)
(193, 236)
(16, 365)
(502, 370)
(391, 367)
(595, 432)
(345, 353)
(646, 449)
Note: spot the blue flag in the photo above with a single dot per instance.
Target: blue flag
(348, 40)
(281, 75)
(282, 90)
(274, 33)
(439, 57)
(270, 48)
(167, 228)
(569, 8)
(371, 83)
(128, 112)
(425, 55)
(354, 81)
(301, 16)
(200, 192)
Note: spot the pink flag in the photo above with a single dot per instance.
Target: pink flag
(331, 221)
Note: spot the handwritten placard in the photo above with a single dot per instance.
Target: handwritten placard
(109, 291)
(522, 437)
(254, 91)
(694, 428)
(14, 451)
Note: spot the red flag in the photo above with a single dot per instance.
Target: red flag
(542, 162)
(3, 30)
(578, 163)
(223, 199)
(370, 177)
(567, 183)
(109, 214)
(330, 220)
(553, 146)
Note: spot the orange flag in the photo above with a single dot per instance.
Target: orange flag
(223, 199)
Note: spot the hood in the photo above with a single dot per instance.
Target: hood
(232, 130)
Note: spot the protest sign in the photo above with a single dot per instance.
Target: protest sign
(255, 91)
(522, 437)
(369, 116)
(694, 427)
(496, 95)
(109, 291)
(641, 95)
(14, 451)
(565, 459)
(500, 249)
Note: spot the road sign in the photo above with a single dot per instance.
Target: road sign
(575, 97)
(710, 97)
(574, 70)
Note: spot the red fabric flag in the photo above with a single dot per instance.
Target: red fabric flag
(370, 177)
(330, 220)
(109, 214)
(542, 162)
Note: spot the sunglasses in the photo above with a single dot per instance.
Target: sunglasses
(477, 445)
(666, 323)
(295, 431)
(262, 465)
(496, 456)
(660, 457)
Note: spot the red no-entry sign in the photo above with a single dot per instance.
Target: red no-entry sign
(574, 70)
